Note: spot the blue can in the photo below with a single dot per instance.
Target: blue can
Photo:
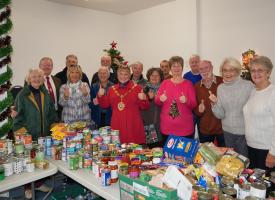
(106, 177)
(48, 151)
(48, 141)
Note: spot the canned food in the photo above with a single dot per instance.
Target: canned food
(29, 167)
(225, 197)
(230, 191)
(252, 198)
(48, 141)
(204, 196)
(8, 168)
(124, 169)
(17, 165)
(227, 182)
(19, 147)
(106, 177)
(73, 162)
(244, 191)
(258, 190)
(41, 141)
(87, 162)
(27, 140)
(2, 146)
(9, 146)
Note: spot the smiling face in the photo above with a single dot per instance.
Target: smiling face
(259, 74)
(229, 73)
(194, 64)
(164, 66)
(155, 78)
(123, 75)
(137, 70)
(176, 69)
(46, 66)
(205, 69)
(71, 60)
(103, 74)
(106, 61)
(74, 75)
(36, 79)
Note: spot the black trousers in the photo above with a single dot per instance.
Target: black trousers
(257, 158)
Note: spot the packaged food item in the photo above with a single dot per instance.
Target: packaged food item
(229, 166)
(209, 154)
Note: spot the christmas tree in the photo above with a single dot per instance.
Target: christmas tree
(6, 99)
(117, 59)
(174, 110)
(247, 56)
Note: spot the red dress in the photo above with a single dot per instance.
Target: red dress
(127, 120)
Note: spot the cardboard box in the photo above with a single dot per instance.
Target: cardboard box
(134, 189)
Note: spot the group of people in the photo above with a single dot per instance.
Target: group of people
(226, 109)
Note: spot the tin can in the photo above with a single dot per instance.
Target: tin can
(252, 198)
(106, 177)
(230, 191)
(227, 182)
(17, 165)
(258, 190)
(27, 140)
(73, 162)
(2, 146)
(87, 162)
(244, 191)
(204, 196)
(8, 167)
(48, 151)
(29, 167)
(48, 141)
(225, 197)
(26, 160)
(9, 146)
(41, 141)
(124, 169)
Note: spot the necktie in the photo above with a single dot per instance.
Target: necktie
(50, 89)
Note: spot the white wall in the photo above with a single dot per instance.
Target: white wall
(230, 27)
(160, 32)
(43, 28)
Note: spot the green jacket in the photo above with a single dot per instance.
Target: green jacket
(28, 116)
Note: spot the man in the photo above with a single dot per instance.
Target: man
(165, 68)
(71, 60)
(210, 128)
(193, 75)
(106, 61)
(51, 83)
(137, 77)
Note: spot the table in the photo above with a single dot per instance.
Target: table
(17, 180)
(86, 178)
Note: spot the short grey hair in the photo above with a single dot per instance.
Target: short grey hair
(104, 68)
(137, 63)
(262, 60)
(232, 62)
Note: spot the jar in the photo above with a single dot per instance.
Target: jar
(124, 169)
(39, 154)
(114, 171)
(19, 147)
(134, 171)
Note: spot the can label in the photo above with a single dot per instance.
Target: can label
(9, 146)
(41, 141)
(48, 141)
(27, 141)
(73, 162)
(258, 190)
(2, 146)
(106, 177)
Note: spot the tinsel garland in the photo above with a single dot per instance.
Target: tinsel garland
(6, 127)
(6, 102)
(5, 87)
(4, 115)
(6, 76)
(6, 51)
(5, 14)
(4, 28)
(4, 3)
(5, 41)
(5, 61)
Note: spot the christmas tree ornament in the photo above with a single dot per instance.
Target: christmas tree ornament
(117, 59)
(174, 110)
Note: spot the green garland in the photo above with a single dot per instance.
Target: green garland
(6, 128)
(4, 28)
(6, 102)
(5, 51)
(6, 76)
(4, 3)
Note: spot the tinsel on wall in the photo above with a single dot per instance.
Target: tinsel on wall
(6, 99)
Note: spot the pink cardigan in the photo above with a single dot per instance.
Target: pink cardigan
(183, 124)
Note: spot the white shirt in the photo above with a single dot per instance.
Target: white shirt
(53, 87)
(259, 118)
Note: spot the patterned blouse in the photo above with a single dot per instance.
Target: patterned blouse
(76, 107)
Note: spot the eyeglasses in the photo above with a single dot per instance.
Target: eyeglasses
(259, 71)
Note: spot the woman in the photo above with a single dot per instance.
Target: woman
(232, 95)
(126, 100)
(74, 97)
(35, 110)
(151, 117)
(102, 117)
(177, 98)
(259, 115)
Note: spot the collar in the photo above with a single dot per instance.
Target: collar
(214, 80)
(123, 85)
